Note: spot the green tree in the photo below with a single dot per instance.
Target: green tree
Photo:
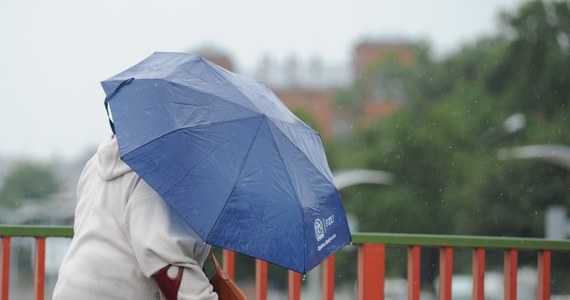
(445, 183)
(533, 73)
(529, 77)
(27, 181)
(431, 144)
(306, 116)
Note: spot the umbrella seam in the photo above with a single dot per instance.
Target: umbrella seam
(300, 150)
(212, 67)
(211, 153)
(189, 127)
(237, 177)
(218, 97)
(228, 74)
(290, 181)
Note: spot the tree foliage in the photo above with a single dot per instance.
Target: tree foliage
(533, 73)
(431, 143)
(27, 181)
(446, 181)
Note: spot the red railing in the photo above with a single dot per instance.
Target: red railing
(39, 234)
(372, 253)
(371, 263)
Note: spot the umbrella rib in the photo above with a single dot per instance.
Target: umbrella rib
(228, 77)
(210, 154)
(217, 96)
(305, 155)
(238, 175)
(293, 185)
(183, 128)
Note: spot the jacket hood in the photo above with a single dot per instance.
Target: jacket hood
(110, 164)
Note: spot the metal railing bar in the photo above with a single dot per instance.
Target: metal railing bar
(5, 272)
(39, 268)
(294, 288)
(228, 262)
(36, 231)
(371, 261)
(445, 272)
(459, 241)
(328, 278)
(414, 253)
(371, 271)
(543, 285)
(478, 273)
(510, 274)
(425, 240)
(261, 272)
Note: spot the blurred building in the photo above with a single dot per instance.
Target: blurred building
(369, 53)
(381, 95)
(311, 87)
(217, 56)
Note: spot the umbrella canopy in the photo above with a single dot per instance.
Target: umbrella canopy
(230, 158)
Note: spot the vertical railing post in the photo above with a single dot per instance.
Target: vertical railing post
(261, 279)
(478, 271)
(371, 271)
(511, 266)
(39, 268)
(328, 278)
(414, 272)
(445, 272)
(5, 265)
(228, 262)
(543, 285)
(294, 285)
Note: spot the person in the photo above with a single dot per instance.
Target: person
(128, 243)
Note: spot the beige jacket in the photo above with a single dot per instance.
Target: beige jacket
(124, 233)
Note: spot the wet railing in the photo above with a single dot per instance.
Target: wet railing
(39, 233)
(371, 263)
(372, 253)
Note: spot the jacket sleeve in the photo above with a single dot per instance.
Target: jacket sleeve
(160, 237)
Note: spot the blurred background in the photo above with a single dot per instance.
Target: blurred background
(463, 105)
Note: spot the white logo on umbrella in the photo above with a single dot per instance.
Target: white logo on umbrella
(319, 229)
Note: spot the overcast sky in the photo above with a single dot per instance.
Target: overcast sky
(55, 53)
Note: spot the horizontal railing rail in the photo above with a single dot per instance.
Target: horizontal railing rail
(460, 241)
(36, 231)
(371, 262)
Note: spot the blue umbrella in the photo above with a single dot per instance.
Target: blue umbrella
(229, 157)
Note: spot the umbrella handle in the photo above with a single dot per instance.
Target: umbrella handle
(109, 98)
